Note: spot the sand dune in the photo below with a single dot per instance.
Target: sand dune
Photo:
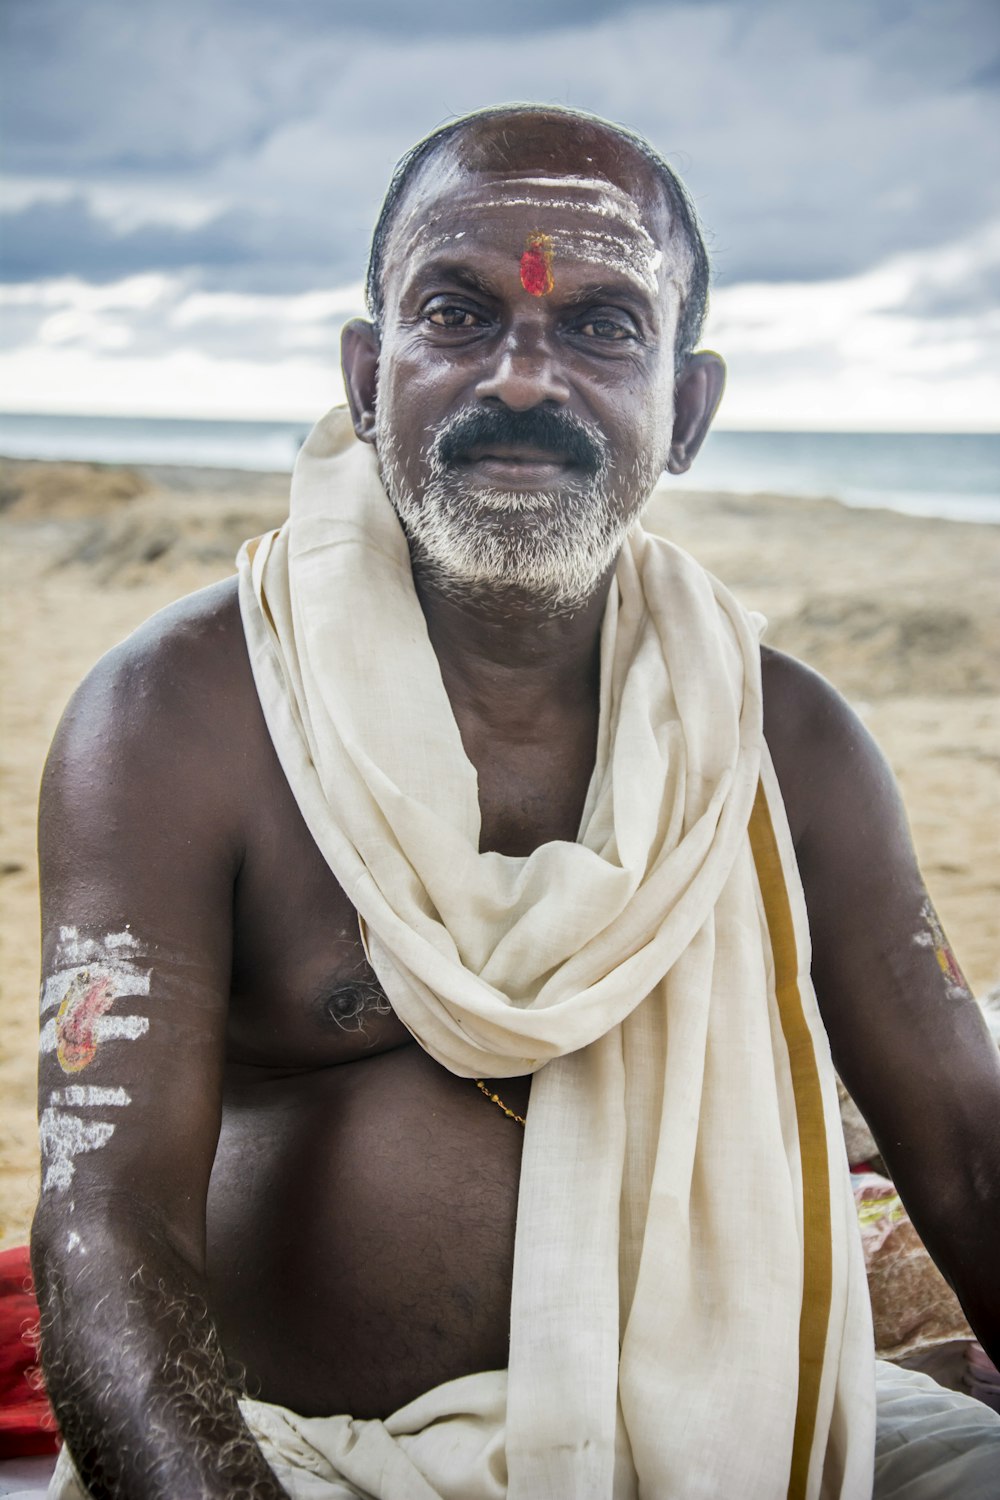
(901, 614)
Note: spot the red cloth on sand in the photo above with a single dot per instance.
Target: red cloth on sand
(27, 1425)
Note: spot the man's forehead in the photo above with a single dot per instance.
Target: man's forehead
(557, 145)
(540, 158)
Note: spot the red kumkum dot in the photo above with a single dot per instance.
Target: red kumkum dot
(536, 266)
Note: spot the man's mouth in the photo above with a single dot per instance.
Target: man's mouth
(519, 449)
(513, 453)
(515, 464)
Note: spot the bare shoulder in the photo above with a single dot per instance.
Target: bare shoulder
(178, 659)
(151, 764)
(859, 870)
(826, 761)
(177, 690)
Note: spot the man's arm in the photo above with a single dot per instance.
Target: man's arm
(139, 850)
(907, 1037)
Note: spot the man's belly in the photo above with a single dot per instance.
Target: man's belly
(361, 1232)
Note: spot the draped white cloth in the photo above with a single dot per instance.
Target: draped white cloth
(930, 1444)
(660, 1345)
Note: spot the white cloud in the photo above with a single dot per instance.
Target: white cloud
(156, 317)
(862, 352)
(235, 307)
(185, 383)
(70, 293)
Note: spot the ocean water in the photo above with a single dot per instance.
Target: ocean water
(268, 446)
(955, 475)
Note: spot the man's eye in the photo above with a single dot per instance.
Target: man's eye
(606, 328)
(453, 317)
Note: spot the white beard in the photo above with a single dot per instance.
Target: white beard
(557, 553)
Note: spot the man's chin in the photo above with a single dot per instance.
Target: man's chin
(552, 547)
(502, 553)
(514, 502)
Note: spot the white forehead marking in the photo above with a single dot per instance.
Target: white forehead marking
(611, 250)
(602, 246)
(607, 200)
(541, 202)
(618, 239)
(624, 213)
(606, 191)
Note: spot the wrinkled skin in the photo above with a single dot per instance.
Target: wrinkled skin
(292, 1170)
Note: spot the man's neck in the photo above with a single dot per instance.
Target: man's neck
(511, 661)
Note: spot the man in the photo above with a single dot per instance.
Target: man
(462, 815)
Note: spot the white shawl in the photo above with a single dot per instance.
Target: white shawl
(689, 1315)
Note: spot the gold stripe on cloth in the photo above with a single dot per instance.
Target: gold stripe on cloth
(817, 1277)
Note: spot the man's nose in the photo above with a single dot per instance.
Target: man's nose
(523, 372)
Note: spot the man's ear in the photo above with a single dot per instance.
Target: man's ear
(359, 351)
(696, 399)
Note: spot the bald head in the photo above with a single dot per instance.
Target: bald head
(552, 143)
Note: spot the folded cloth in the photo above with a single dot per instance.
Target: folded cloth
(689, 1315)
(27, 1425)
(449, 1445)
(982, 1378)
(932, 1444)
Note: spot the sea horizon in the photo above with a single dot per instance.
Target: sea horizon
(954, 476)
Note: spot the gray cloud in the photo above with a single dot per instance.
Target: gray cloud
(175, 84)
(239, 250)
(261, 333)
(19, 326)
(977, 289)
(816, 139)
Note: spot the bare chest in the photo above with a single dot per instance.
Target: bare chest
(368, 1208)
(303, 993)
(532, 787)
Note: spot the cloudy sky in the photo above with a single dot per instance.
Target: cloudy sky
(190, 187)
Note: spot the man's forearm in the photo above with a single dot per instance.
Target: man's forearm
(964, 1242)
(134, 1368)
(973, 1277)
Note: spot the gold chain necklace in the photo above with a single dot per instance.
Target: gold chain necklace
(498, 1102)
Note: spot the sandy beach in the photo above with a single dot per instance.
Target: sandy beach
(901, 614)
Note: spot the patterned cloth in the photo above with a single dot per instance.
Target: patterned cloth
(27, 1425)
